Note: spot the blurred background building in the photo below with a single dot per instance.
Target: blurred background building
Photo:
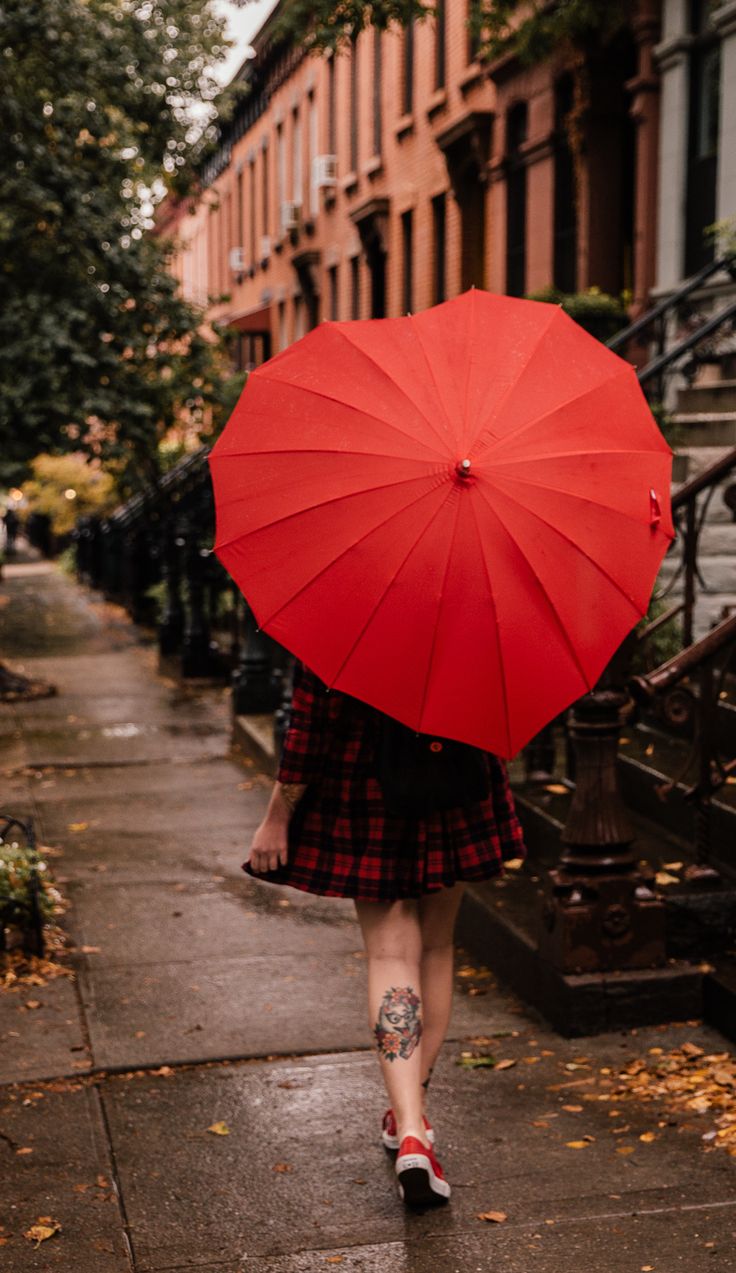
(402, 171)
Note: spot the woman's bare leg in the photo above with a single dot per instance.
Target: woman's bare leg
(437, 915)
(393, 942)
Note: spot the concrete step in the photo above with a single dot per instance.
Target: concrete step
(705, 428)
(719, 395)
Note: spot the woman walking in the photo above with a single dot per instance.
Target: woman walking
(332, 828)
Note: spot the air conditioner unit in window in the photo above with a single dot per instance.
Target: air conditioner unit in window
(289, 215)
(265, 246)
(324, 171)
(236, 260)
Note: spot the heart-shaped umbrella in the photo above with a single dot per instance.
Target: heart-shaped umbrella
(455, 516)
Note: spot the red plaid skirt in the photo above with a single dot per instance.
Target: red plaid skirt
(343, 843)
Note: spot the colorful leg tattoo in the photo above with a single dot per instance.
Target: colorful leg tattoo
(399, 1026)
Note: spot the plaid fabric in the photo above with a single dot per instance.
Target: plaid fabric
(342, 843)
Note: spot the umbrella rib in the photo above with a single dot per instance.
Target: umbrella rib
(562, 455)
(584, 499)
(317, 450)
(601, 569)
(550, 603)
(560, 406)
(328, 565)
(328, 397)
(392, 382)
(433, 378)
(496, 630)
(428, 671)
(335, 500)
(389, 585)
(499, 405)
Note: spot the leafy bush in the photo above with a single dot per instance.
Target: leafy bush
(16, 870)
(600, 314)
(66, 487)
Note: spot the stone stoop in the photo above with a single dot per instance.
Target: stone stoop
(706, 420)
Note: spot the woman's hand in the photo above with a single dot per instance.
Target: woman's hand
(270, 843)
(269, 847)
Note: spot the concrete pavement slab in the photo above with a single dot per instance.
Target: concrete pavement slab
(302, 1168)
(41, 1031)
(676, 1239)
(191, 1010)
(149, 923)
(67, 1175)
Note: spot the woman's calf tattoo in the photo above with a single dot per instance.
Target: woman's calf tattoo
(399, 1026)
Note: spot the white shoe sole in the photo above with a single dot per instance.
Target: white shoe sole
(418, 1185)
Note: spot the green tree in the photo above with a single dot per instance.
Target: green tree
(531, 28)
(102, 101)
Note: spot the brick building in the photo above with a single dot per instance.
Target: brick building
(401, 172)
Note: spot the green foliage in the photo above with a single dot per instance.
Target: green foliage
(661, 646)
(535, 29)
(97, 349)
(531, 29)
(600, 314)
(56, 476)
(332, 24)
(15, 885)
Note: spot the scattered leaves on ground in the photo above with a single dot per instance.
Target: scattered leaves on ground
(493, 1217)
(219, 1129)
(42, 1230)
(476, 1061)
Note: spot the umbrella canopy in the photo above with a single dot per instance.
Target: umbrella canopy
(455, 516)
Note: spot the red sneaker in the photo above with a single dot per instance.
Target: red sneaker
(421, 1182)
(390, 1136)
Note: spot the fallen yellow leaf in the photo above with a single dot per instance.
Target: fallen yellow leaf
(647, 1137)
(42, 1230)
(577, 1144)
(77, 826)
(664, 877)
(282, 1167)
(625, 1149)
(506, 1063)
(219, 1129)
(573, 1109)
(334, 1259)
(493, 1217)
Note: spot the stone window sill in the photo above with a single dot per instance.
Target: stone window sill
(404, 126)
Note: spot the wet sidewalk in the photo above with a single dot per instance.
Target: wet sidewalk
(203, 1000)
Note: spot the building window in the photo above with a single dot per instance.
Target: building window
(473, 17)
(280, 173)
(516, 131)
(312, 144)
(354, 106)
(240, 232)
(440, 44)
(264, 189)
(377, 91)
(439, 226)
(296, 169)
(355, 287)
(564, 274)
(702, 138)
(252, 209)
(407, 69)
(331, 106)
(334, 298)
(283, 337)
(299, 327)
(407, 252)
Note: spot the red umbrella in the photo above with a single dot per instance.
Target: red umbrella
(455, 516)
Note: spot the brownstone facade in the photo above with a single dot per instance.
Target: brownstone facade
(400, 173)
